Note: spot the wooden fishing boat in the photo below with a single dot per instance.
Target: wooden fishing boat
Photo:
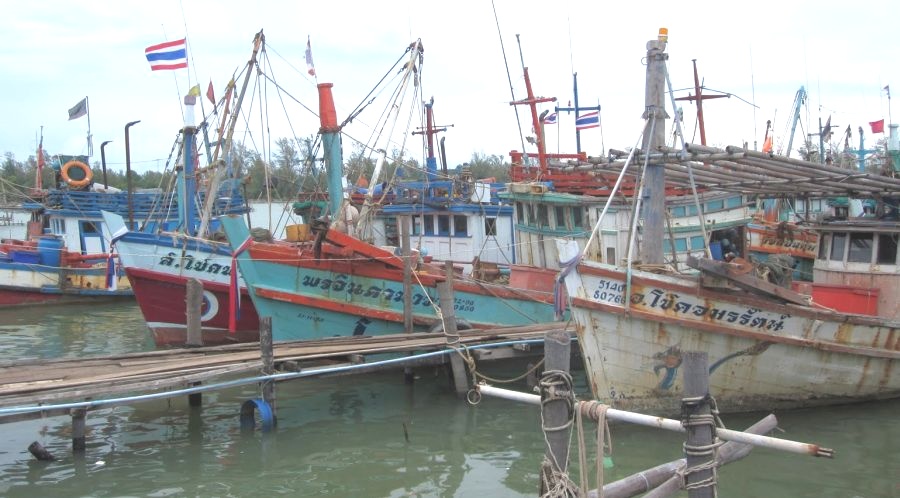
(768, 347)
(337, 284)
(159, 263)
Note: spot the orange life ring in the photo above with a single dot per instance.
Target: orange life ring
(88, 175)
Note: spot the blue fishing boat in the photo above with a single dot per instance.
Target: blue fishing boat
(337, 284)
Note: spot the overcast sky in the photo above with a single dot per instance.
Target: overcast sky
(54, 53)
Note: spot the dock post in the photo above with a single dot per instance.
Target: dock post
(557, 405)
(195, 400)
(194, 300)
(267, 353)
(403, 223)
(700, 424)
(78, 429)
(457, 365)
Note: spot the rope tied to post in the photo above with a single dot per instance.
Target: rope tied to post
(555, 386)
(691, 419)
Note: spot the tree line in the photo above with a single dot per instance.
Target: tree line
(293, 168)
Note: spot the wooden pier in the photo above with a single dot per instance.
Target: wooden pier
(29, 385)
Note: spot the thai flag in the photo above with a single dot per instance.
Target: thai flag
(550, 118)
(589, 120)
(168, 55)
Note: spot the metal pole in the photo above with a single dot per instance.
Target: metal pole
(103, 161)
(673, 425)
(128, 175)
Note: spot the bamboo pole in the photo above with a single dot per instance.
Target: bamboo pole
(674, 425)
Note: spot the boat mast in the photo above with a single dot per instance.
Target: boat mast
(430, 131)
(532, 103)
(331, 143)
(654, 175)
(700, 98)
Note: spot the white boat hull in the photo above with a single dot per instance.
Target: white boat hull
(762, 354)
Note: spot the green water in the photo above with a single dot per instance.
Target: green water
(374, 436)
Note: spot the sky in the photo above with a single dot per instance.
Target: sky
(54, 53)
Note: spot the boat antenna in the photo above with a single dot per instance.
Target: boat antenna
(508, 76)
(203, 124)
(753, 97)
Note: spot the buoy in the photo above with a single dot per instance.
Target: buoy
(248, 415)
(74, 179)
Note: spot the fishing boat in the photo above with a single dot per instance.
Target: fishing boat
(768, 346)
(453, 217)
(67, 255)
(337, 284)
(159, 263)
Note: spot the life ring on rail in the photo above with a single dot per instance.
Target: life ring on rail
(77, 180)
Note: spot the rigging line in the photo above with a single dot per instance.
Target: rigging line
(279, 91)
(362, 105)
(512, 92)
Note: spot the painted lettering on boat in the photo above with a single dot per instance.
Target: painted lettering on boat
(190, 262)
(342, 283)
(612, 292)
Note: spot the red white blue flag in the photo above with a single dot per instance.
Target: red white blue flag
(589, 120)
(168, 55)
(550, 118)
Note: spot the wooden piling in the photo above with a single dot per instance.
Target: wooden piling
(267, 353)
(194, 303)
(403, 225)
(195, 400)
(556, 406)
(700, 426)
(662, 482)
(78, 429)
(457, 365)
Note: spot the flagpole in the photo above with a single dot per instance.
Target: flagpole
(90, 146)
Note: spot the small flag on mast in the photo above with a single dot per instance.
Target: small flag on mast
(887, 88)
(550, 118)
(310, 68)
(877, 126)
(80, 109)
(210, 94)
(168, 55)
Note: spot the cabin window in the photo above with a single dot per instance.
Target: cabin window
(429, 224)
(443, 224)
(715, 205)
(57, 227)
(733, 202)
(838, 241)
(576, 217)
(823, 246)
(860, 248)
(887, 249)
(680, 245)
(560, 217)
(543, 219)
(417, 225)
(460, 226)
(692, 210)
(677, 211)
(611, 255)
(697, 243)
(490, 226)
(520, 213)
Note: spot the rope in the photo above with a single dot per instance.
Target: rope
(703, 450)
(593, 410)
(556, 385)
